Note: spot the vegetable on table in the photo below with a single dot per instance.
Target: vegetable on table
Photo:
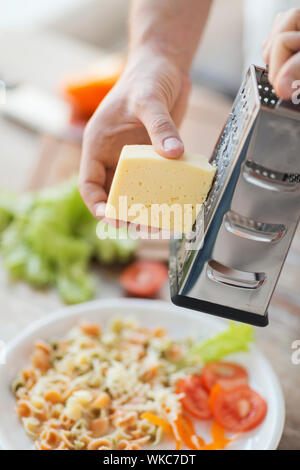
(86, 89)
(48, 238)
(144, 278)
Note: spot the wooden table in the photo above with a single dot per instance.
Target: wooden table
(42, 58)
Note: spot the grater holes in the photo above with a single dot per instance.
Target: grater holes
(266, 93)
(270, 179)
(254, 230)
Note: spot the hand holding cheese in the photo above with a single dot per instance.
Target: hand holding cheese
(132, 113)
(150, 190)
(148, 102)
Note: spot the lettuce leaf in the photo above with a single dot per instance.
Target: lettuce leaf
(7, 209)
(49, 237)
(236, 338)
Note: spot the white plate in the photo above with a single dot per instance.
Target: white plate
(179, 323)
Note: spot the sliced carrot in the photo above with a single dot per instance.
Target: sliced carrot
(185, 432)
(188, 433)
(182, 430)
(217, 432)
(213, 393)
(178, 445)
(153, 419)
(199, 439)
(218, 435)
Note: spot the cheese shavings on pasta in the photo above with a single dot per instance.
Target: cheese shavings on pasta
(95, 390)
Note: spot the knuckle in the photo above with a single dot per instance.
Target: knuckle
(281, 37)
(160, 125)
(295, 12)
(140, 99)
(278, 42)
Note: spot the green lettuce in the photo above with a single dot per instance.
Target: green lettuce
(49, 238)
(236, 338)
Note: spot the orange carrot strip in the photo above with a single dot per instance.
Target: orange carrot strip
(218, 436)
(217, 432)
(153, 419)
(201, 441)
(186, 431)
(213, 393)
(178, 445)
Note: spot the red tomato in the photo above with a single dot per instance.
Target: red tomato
(196, 398)
(227, 374)
(144, 278)
(239, 409)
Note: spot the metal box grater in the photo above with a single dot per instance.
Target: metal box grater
(251, 213)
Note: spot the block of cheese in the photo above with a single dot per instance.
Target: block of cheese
(151, 190)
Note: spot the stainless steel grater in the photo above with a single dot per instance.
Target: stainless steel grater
(251, 213)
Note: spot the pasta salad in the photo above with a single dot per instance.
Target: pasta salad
(128, 386)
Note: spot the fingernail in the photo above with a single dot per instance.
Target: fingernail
(100, 209)
(172, 143)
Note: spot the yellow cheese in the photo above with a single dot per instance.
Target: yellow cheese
(151, 190)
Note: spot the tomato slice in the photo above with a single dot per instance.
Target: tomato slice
(227, 374)
(239, 409)
(196, 398)
(144, 278)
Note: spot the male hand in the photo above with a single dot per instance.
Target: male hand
(146, 106)
(281, 51)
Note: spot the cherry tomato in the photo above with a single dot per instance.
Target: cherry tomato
(144, 278)
(196, 398)
(238, 409)
(227, 374)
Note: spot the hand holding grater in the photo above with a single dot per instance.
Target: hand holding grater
(251, 213)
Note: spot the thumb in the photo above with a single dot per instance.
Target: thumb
(162, 130)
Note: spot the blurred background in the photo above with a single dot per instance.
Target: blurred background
(103, 24)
